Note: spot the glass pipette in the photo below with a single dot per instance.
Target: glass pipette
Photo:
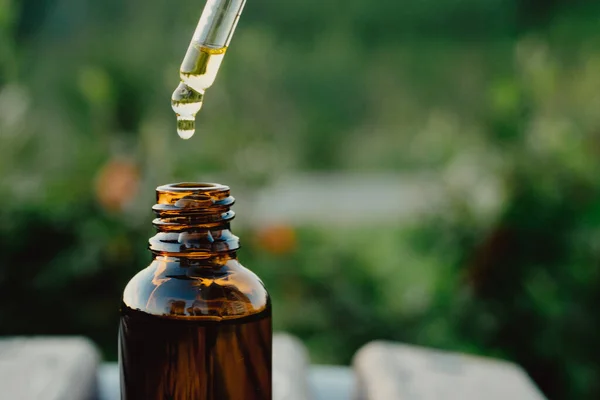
(203, 60)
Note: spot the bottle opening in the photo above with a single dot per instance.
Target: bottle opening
(194, 195)
(191, 186)
(193, 218)
(208, 202)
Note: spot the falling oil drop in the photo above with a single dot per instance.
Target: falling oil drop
(185, 128)
(186, 102)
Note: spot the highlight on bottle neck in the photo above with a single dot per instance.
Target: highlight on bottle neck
(193, 220)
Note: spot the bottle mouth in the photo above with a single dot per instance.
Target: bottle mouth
(193, 219)
(191, 187)
(192, 195)
(209, 202)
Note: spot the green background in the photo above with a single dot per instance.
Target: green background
(475, 92)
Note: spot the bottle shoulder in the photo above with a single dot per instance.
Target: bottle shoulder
(166, 288)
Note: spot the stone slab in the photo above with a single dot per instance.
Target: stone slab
(403, 372)
(48, 368)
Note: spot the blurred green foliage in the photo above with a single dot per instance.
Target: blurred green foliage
(494, 92)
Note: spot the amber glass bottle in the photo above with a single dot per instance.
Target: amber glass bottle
(195, 324)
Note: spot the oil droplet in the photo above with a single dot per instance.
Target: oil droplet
(186, 102)
(185, 128)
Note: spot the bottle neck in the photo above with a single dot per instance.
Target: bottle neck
(193, 222)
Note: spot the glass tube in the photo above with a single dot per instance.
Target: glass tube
(203, 59)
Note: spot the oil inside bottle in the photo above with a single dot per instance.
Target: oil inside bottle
(195, 359)
(198, 72)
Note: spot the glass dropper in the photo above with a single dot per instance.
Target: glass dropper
(203, 60)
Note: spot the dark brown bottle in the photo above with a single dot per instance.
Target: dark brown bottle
(195, 324)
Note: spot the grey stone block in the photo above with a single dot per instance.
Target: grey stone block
(390, 371)
(290, 369)
(48, 368)
(329, 382)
